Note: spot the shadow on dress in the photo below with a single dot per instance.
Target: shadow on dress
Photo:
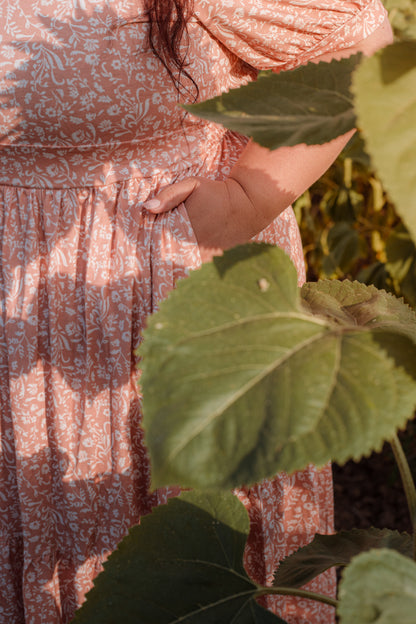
(70, 527)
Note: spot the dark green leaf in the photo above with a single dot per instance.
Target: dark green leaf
(378, 586)
(242, 380)
(401, 262)
(355, 149)
(344, 205)
(311, 104)
(182, 564)
(375, 274)
(344, 246)
(401, 253)
(408, 286)
(326, 551)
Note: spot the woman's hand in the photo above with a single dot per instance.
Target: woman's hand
(221, 213)
(260, 186)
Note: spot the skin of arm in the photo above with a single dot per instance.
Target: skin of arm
(261, 184)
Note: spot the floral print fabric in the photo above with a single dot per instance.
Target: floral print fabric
(89, 129)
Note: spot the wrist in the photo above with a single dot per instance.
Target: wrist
(253, 211)
(243, 216)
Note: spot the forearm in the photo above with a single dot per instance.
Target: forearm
(261, 184)
(273, 180)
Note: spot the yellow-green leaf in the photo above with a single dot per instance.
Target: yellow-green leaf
(378, 586)
(385, 97)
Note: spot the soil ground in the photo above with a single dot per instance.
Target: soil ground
(370, 493)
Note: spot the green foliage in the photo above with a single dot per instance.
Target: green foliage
(326, 551)
(401, 263)
(402, 14)
(378, 586)
(348, 209)
(311, 104)
(344, 248)
(308, 364)
(349, 196)
(184, 563)
(389, 79)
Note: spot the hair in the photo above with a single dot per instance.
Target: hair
(168, 39)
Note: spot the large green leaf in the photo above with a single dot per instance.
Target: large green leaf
(378, 586)
(326, 551)
(241, 379)
(311, 104)
(385, 95)
(184, 563)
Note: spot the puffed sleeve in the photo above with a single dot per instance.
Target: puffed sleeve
(282, 34)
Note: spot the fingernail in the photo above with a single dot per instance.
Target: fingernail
(151, 204)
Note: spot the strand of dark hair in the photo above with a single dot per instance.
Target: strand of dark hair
(169, 40)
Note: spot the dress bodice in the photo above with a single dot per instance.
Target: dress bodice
(84, 101)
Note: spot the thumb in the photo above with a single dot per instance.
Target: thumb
(171, 196)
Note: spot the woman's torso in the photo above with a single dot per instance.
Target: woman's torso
(85, 102)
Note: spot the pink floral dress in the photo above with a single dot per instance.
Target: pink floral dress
(89, 129)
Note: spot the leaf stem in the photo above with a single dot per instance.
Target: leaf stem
(408, 484)
(301, 593)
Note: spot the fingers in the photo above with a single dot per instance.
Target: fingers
(171, 196)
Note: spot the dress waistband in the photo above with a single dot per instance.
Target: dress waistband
(100, 165)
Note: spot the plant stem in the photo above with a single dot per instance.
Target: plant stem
(301, 593)
(408, 484)
(348, 172)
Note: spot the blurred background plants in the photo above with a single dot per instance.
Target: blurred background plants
(350, 229)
